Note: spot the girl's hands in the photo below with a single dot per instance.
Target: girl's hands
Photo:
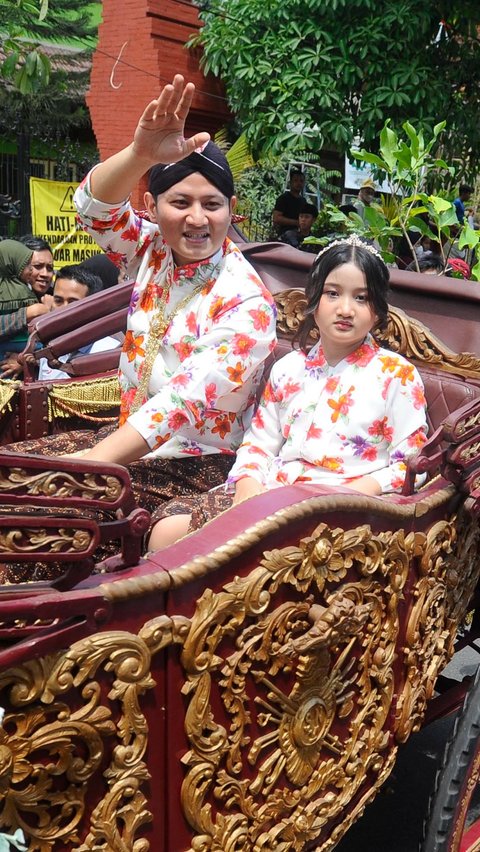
(159, 135)
(245, 488)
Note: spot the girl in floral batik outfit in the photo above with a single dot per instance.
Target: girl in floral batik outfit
(344, 412)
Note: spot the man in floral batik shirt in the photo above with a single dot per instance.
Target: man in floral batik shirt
(201, 323)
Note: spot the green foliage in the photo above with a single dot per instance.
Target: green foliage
(259, 186)
(51, 107)
(28, 26)
(56, 120)
(318, 72)
(257, 189)
(408, 165)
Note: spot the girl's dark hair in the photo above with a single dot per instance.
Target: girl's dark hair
(376, 276)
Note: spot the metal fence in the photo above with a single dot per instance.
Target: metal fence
(11, 190)
(256, 226)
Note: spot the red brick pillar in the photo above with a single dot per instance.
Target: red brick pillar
(141, 45)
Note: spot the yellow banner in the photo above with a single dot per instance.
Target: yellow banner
(54, 219)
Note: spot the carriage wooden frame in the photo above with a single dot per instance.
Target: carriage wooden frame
(249, 687)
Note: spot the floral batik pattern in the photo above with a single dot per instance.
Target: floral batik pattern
(331, 424)
(210, 359)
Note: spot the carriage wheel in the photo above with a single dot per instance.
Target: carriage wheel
(453, 821)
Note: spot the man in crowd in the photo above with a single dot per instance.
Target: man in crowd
(464, 193)
(72, 284)
(41, 278)
(366, 195)
(289, 203)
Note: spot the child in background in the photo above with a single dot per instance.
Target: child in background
(344, 412)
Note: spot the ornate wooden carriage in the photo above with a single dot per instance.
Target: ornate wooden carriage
(247, 688)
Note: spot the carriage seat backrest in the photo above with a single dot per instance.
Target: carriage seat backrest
(445, 393)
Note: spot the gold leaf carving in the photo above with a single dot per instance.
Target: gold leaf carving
(302, 699)
(447, 577)
(78, 707)
(466, 424)
(59, 484)
(470, 452)
(290, 311)
(28, 540)
(414, 340)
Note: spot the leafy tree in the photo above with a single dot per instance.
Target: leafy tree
(316, 73)
(47, 47)
(27, 25)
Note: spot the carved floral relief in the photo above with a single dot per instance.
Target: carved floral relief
(305, 690)
(300, 680)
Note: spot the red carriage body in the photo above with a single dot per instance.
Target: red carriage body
(248, 687)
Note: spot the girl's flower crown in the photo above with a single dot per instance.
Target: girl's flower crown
(351, 240)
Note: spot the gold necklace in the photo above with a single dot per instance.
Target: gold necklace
(156, 332)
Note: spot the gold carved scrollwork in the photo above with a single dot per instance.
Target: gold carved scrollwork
(59, 484)
(470, 452)
(290, 310)
(285, 723)
(76, 709)
(56, 541)
(449, 572)
(467, 423)
(414, 340)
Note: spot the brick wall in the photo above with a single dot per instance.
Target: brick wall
(155, 32)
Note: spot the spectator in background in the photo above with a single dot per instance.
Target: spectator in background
(289, 203)
(42, 264)
(423, 246)
(429, 263)
(102, 266)
(346, 209)
(464, 193)
(366, 194)
(72, 284)
(295, 236)
(471, 214)
(18, 303)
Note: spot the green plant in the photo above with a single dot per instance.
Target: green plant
(407, 164)
(317, 73)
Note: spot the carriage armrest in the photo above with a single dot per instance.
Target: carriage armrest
(83, 336)
(98, 307)
(454, 451)
(59, 509)
(91, 365)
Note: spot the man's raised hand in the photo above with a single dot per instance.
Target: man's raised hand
(159, 136)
